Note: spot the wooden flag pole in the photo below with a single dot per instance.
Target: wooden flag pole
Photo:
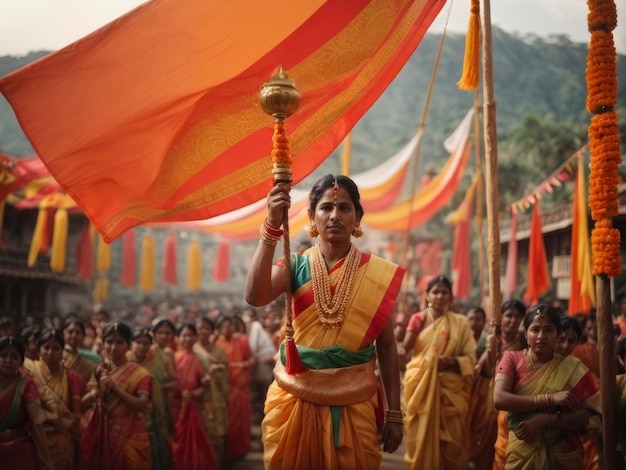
(491, 166)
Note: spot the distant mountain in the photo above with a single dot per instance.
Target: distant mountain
(544, 77)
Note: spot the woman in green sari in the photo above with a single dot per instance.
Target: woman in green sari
(549, 398)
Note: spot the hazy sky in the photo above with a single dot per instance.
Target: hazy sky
(30, 25)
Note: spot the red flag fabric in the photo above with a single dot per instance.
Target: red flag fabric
(84, 255)
(461, 266)
(538, 274)
(222, 262)
(165, 98)
(170, 260)
(582, 290)
(430, 263)
(129, 259)
(16, 173)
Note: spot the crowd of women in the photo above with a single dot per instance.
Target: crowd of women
(152, 397)
(348, 382)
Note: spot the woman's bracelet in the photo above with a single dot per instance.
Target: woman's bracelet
(394, 416)
(273, 231)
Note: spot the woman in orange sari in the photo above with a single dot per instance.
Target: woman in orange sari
(548, 398)
(125, 388)
(22, 437)
(192, 449)
(330, 415)
(240, 362)
(61, 392)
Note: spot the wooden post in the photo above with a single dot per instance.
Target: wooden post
(491, 166)
(608, 368)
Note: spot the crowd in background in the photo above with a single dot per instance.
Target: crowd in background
(177, 388)
(182, 386)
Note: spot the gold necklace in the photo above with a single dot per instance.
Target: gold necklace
(331, 308)
(530, 356)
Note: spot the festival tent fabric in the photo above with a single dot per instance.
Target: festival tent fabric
(413, 211)
(461, 267)
(379, 188)
(156, 117)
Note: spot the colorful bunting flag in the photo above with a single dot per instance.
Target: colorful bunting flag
(538, 275)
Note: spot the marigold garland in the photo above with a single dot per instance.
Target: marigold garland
(604, 144)
(281, 150)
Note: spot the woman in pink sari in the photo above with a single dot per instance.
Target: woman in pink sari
(22, 439)
(548, 397)
(192, 449)
(125, 388)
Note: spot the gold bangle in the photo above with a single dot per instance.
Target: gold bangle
(394, 416)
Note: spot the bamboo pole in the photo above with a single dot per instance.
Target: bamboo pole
(608, 369)
(491, 166)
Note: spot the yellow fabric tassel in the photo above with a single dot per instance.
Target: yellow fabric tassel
(35, 243)
(471, 60)
(101, 289)
(147, 276)
(194, 265)
(103, 260)
(346, 155)
(59, 241)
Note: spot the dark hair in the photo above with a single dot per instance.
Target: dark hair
(181, 326)
(478, 310)
(13, 341)
(74, 321)
(439, 280)
(548, 310)
(327, 182)
(206, 321)
(222, 319)
(513, 304)
(141, 331)
(159, 322)
(568, 323)
(120, 328)
(51, 333)
(30, 333)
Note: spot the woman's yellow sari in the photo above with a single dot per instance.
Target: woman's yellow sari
(437, 403)
(556, 449)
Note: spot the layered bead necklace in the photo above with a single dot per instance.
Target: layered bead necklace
(331, 308)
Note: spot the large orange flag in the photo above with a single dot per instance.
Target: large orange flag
(582, 289)
(155, 116)
(538, 274)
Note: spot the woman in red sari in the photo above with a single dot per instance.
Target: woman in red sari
(22, 439)
(240, 362)
(125, 388)
(192, 448)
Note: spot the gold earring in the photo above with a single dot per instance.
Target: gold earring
(313, 231)
(357, 231)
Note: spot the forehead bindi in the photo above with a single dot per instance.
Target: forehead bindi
(336, 197)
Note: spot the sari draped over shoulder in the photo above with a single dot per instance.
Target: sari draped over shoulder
(239, 407)
(214, 410)
(17, 449)
(325, 417)
(79, 363)
(557, 448)
(58, 391)
(128, 443)
(437, 403)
